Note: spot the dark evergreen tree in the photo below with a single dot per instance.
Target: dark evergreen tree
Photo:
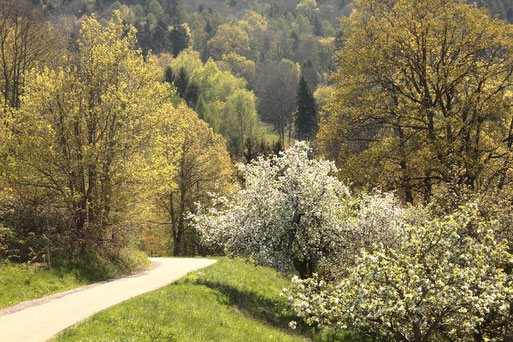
(310, 73)
(192, 95)
(295, 42)
(179, 39)
(182, 82)
(208, 28)
(317, 26)
(169, 75)
(174, 10)
(306, 120)
(160, 39)
(144, 36)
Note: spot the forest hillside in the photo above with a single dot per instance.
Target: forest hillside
(364, 148)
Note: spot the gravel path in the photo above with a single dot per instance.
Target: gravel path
(41, 319)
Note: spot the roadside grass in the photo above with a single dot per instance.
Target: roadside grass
(22, 282)
(228, 301)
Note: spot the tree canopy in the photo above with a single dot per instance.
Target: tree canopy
(80, 124)
(444, 282)
(429, 105)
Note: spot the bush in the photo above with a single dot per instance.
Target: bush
(445, 282)
(32, 231)
(96, 265)
(293, 214)
(288, 214)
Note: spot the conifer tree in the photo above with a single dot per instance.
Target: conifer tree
(182, 82)
(179, 39)
(174, 9)
(160, 38)
(169, 76)
(192, 95)
(306, 115)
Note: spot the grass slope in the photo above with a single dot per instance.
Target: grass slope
(22, 282)
(229, 301)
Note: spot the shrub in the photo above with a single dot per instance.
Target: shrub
(288, 213)
(445, 282)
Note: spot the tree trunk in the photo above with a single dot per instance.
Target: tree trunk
(303, 268)
(417, 334)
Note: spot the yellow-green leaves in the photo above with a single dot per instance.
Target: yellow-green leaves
(426, 104)
(203, 168)
(226, 104)
(83, 127)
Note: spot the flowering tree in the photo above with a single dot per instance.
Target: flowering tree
(444, 282)
(289, 213)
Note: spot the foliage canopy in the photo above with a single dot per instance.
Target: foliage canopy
(427, 106)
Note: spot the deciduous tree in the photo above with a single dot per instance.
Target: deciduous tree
(25, 40)
(276, 89)
(229, 38)
(79, 125)
(204, 169)
(445, 283)
(287, 215)
(427, 106)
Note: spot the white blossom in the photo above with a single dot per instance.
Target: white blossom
(442, 281)
(289, 213)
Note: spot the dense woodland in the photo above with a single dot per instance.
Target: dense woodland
(364, 146)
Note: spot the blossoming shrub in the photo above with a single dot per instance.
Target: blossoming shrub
(292, 214)
(376, 219)
(289, 214)
(444, 282)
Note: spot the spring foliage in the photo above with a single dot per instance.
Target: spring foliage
(204, 168)
(81, 129)
(426, 107)
(224, 101)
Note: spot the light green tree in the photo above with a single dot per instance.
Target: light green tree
(224, 102)
(204, 168)
(229, 38)
(80, 125)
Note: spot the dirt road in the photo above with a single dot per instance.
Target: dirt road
(42, 319)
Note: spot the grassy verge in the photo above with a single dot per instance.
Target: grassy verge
(22, 282)
(229, 301)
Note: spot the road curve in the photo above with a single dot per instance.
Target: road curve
(49, 316)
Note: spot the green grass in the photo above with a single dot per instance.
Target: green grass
(269, 135)
(228, 301)
(22, 282)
